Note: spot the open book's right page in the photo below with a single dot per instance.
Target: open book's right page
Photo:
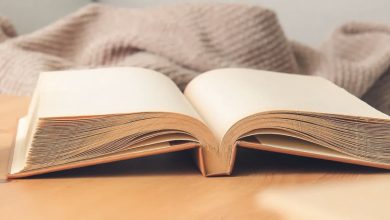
(307, 107)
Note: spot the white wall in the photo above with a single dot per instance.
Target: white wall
(28, 15)
(308, 21)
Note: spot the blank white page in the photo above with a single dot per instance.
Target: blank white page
(225, 96)
(109, 91)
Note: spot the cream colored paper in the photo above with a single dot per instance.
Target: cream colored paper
(223, 97)
(109, 91)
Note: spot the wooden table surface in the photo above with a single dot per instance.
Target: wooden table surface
(166, 186)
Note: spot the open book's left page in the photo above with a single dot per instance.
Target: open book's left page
(82, 115)
(109, 91)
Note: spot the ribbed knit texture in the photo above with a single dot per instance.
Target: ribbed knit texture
(185, 40)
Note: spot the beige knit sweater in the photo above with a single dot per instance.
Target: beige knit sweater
(185, 40)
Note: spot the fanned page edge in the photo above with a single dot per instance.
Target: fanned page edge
(237, 139)
(16, 164)
(161, 148)
(291, 151)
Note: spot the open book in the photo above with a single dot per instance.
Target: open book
(86, 117)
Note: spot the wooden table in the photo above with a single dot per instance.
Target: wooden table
(159, 187)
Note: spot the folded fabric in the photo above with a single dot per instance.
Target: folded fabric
(186, 39)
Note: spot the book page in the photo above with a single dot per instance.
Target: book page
(225, 96)
(109, 91)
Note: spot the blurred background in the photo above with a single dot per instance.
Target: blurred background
(294, 16)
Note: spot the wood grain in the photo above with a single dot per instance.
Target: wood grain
(167, 186)
(11, 109)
